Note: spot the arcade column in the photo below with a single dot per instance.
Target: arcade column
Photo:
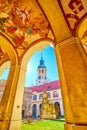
(72, 65)
(11, 104)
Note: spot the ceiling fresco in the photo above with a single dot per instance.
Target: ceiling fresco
(74, 11)
(23, 22)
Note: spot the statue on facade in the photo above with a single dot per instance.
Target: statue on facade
(47, 108)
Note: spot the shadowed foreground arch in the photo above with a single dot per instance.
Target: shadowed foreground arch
(7, 101)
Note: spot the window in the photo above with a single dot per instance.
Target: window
(39, 77)
(55, 94)
(48, 94)
(42, 71)
(45, 77)
(35, 97)
(39, 71)
(40, 96)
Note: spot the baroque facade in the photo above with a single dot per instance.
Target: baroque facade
(54, 93)
(32, 98)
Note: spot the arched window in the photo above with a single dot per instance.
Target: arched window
(42, 70)
(39, 77)
(55, 94)
(34, 97)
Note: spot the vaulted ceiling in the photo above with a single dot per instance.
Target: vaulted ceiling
(24, 22)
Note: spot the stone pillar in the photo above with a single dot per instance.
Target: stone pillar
(11, 104)
(72, 65)
(38, 110)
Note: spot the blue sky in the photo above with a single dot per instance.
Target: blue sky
(31, 74)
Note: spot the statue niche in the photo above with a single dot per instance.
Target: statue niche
(47, 109)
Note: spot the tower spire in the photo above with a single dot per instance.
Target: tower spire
(42, 78)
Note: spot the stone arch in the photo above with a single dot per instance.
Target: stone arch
(8, 48)
(11, 84)
(54, 18)
(38, 45)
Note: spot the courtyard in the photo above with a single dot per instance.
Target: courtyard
(44, 125)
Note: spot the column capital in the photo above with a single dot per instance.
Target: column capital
(18, 66)
(67, 42)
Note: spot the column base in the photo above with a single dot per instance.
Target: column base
(10, 125)
(15, 125)
(74, 127)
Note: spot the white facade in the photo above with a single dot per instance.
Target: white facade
(26, 105)
(52, 99)
(29, 101)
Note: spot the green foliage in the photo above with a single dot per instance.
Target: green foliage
(44, 125)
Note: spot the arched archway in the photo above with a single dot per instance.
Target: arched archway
(11, 84)
(34, 110)
(36, 46)
(57, 108)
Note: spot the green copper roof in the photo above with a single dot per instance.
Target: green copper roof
(41, 65)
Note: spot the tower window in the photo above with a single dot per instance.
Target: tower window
(39, 77)
(42, 71)
(45, 77)
(39, 71)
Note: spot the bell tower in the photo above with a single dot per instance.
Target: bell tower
(41, 70)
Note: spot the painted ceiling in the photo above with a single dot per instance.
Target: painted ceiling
(24, 22)
(74, 11)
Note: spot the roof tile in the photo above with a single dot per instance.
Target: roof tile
(46, 87)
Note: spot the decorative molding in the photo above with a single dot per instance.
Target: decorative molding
(66, 42)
